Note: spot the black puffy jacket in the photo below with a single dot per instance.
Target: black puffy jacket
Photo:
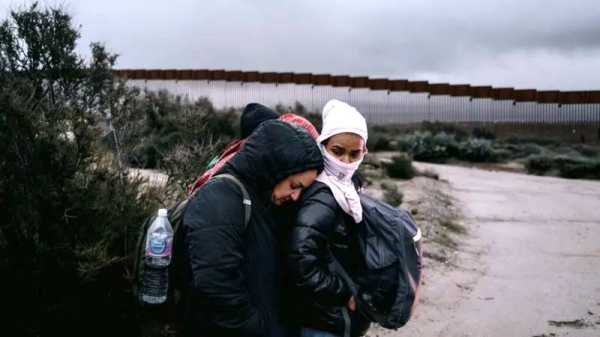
(318, 294)
(235, 274)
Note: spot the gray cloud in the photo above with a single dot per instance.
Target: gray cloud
(546, 44)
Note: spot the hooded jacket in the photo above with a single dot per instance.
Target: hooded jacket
(319, 294)
(234, 273)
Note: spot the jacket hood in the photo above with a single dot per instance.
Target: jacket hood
(253, 115)
(273, 152)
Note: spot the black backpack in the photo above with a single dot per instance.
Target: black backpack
(386, 290)
(170, 310)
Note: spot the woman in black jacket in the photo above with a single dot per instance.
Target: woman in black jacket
(328, 213)
(234, 272)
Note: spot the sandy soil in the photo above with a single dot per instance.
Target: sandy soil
(529, 265)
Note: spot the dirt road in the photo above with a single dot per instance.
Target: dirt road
(530, 265)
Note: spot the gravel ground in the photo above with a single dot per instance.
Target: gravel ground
(529, 264)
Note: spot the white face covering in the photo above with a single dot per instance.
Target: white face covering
(342, 171)
(338, 176)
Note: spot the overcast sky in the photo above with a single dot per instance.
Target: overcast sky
(542, 44)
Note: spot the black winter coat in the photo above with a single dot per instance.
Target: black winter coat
(318, 294)
(234, 273)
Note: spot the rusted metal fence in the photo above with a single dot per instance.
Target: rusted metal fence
(381, 101)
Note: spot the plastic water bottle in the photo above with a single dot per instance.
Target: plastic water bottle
(159, 243)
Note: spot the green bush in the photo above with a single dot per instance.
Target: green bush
(526, 150)
(577, 168)
(565, 166)
(448, 142)
(537, 141)
(477, 150)
(442, 146)
(503, 154)
(424, 147)
(70, 217)
(517, 151)
(312, 116)
(587, 150)
(437, 127)
(483, 133)
(281, 109)
(164, 122)
(392, 194)
(378, 142)
(566, 151)
(400, 168)
(384, 129)
(185, 163)
(430, 148)
(405, 143)
(537, 164)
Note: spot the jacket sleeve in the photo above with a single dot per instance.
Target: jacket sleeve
(306, 260)
(214, 225)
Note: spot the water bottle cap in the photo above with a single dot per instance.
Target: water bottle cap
(162, 212)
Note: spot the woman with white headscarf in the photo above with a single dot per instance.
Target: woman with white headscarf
(329, 212)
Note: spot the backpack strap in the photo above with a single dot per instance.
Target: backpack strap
(247, 202)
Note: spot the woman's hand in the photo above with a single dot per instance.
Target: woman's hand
(352, 304)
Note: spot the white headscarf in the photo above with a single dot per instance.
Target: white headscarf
(339, 117)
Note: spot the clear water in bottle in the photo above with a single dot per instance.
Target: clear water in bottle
(158, 257)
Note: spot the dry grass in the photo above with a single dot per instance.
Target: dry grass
(454, 227)
(392, 194)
